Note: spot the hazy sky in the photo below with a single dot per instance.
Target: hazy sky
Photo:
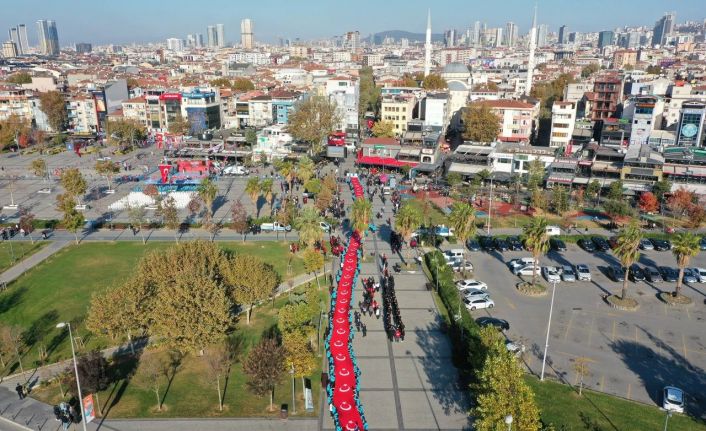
(125, 21)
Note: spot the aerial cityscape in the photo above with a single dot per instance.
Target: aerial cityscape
(344, 217)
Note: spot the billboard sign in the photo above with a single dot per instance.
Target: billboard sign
(88, 412)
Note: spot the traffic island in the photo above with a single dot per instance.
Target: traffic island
(530, 289)
(625, 304)
(675, 301)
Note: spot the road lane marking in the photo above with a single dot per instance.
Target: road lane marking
(687, 313)
(594, 361)
(568, 327)
(665, 309)
(612, 334)
(629, 390)
(602, 381)
(659, 341)
(683, 342)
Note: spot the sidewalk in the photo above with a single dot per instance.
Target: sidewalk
(30, 262)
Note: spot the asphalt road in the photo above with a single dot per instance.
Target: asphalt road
(630, 354)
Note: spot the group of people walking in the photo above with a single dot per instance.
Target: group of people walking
(392, 318)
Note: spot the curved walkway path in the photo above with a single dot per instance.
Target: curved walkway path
(342, 390)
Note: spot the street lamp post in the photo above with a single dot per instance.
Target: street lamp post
(549, 324)
(490, 203)
(294, 405)
(666, 419)
(78, 384)
(508, 422)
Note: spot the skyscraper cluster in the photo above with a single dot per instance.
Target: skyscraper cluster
(215, 36)
(18, 35)
(664, 27)
(48, 37)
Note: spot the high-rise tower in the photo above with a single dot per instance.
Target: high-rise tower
(532, 47)
(247, 39)
(427, 46)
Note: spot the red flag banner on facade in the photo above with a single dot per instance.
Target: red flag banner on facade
(164, 170)
(77, 148)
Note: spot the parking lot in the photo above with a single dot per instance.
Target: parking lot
(630, 354)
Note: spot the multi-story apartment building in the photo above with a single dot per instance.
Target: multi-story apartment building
(606, 97)
(202, 109)
(136, 110)
(82, 115)
(645, 115)
(345, 92)
(398, 110)
(563, 120)
(516, 119)
(692, 120)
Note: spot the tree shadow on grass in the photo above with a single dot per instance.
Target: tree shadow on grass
(174, 361)
(40, 327)
(121, 372)
(11, 298)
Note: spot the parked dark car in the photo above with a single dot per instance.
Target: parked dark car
(636, 273)
(616, 273)
(557, 244)
(702, 243)
(501, 245)
(652, 274)
(670, 275)
(661, 244)
(487, 243)
(473, 245)
(515, 243)
(500, 324)
(600, 243)
(587, 245)
(613, 242)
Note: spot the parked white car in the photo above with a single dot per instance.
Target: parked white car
(582, 272)
(519, 263)
(471, 284)
(474, 293)
(478, 303)
(552, 274)
(673, 399)
(527, 270)
(325, 226)
(235, 170)
(516, 348)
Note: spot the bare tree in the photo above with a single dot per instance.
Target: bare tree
(218, 362)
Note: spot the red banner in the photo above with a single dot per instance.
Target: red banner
(164, 170)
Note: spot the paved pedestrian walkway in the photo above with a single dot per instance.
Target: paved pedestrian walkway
(31, 261)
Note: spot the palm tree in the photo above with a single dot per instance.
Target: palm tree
(684, 246)
(305, 169)
(253, 189)
(463, 222)
(309, 227)
(407, 222)
(288, 171)
(627, 251)
(266, 191)
(207, 191)
(536, 241)
(361, 213)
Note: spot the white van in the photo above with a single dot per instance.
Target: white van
(455, 254)
(553, 230)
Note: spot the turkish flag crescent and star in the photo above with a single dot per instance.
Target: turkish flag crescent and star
(164, 170)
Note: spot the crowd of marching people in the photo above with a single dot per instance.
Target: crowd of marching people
(392, 318)
(369, 305)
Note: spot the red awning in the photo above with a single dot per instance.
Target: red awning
(384, 161)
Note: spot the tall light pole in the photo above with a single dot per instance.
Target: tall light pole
(78, 384)
(294, 405)
(666, 419)
(490, 204)
(508, 422)
(549, 324)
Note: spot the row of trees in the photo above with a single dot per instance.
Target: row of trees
(239, 85)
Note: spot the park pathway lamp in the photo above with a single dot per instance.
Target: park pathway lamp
(294, 406)
(666, 419)
(78, 384)
(549, 324)
(508, 422)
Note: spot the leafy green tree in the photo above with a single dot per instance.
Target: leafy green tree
(12, 130)
(590, 69)
(39, 167)
(305, 169)
(313, 262)
(538, 199)
(617, 208)
(125, 132)
(535, 174)
(660, 188)
(309, 227)
(369, 92)
(288, 170)
(480, 123)
(137, 214)
(170, 215)
(286, 215)
(536, 241)
(502, 390)
(179, 126)
(221, 83)
(294, 317)
(627, 251)
(20, 78)
(72, 219)
(253, 189)
(240, 218)
(560, 199)
(453, 179)
(107, 169)
(324, 199)
(251, 137)
(74, 183)
(313, 120)
(26, 222)
(384, 129)
(408, 81)
(251, 280)
(52, 103)
(361, 214)
(654, 70)
(615, 190)
(299, 356)
(593, 189)
(313, 186)
(12, 340)
(685, 245)
(407, 222)
(242, 85)
(208, 191)
(264, 367)
(434, 81)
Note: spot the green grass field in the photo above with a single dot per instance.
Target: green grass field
(561, 406)
(19, 249)
(60, 289)
(193, 394)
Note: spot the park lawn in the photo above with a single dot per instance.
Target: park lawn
(193, 394)
(60, 289)
(436, 215)
(20, 249)
(561, 406)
